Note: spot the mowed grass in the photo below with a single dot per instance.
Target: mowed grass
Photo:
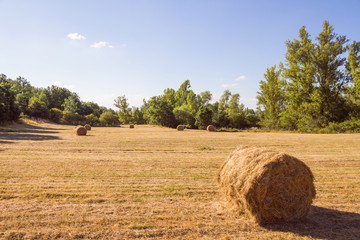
(153, 182)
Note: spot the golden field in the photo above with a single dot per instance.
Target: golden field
(159, 183)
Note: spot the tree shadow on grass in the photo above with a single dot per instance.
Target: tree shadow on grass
(323, 223)
(26, 136)
(34, 129)
(27, 132)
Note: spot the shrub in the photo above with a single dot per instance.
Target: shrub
(72, 118)
(55, 115)
(109, 119)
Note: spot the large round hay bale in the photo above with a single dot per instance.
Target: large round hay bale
(180, 127)
(210, 128)
(131, 126)
(88, 127)
(80, 131)
(267, 185)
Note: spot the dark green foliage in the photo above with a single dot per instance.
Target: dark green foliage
(203, 117)
(158, 111)
(55, 115)
(9, 111)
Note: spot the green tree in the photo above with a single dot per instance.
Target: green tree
(72, 103)
(37, 108)
(235, 112)
(124, 110)
(183, 114)
(222, 119)
(137, 116)
(157, 111)
(204, 98)
(8, 109)
(181, 93)
(203, 117)
(330, 75)
(270, 97)
(169, 96)
(353, 68)
(55, 96)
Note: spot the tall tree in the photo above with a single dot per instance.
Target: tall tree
(330, 74)
(124, 110)
(205, 97)
(270, 97)
(353, 67)
(181, 93)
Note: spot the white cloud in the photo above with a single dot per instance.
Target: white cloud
(239, 78)
(101, 44)
(229, 85)
(76, 36)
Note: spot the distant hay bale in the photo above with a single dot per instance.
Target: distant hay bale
(88, 127)
(210, 128)
(80, 131)
(180, 128)
(267, 185)
(131, 126)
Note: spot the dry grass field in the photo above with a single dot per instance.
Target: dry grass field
(159, 183)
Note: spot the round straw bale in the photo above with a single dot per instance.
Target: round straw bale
(267, 185)
(180, 128)
(210, 128)
(88, 127)
(80, 131)
(131, 126)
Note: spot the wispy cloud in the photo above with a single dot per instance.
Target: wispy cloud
(239, 78)
(76, 36)
(234, 83)
(229, 85)
(101, 44)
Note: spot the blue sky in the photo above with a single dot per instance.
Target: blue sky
(104, 49)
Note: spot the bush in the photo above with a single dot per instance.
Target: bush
(109, 119)
(55, 115)
(72, 118)
(352, 125)
(92, 119)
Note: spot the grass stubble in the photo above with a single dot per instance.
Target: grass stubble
(153, 182)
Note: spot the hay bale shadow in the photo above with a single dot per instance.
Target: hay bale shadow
(323, 223)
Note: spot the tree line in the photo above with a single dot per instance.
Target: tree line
(18, 98)
(317, 88)
(183, 106)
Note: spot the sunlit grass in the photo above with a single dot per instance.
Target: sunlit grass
(152, 182)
